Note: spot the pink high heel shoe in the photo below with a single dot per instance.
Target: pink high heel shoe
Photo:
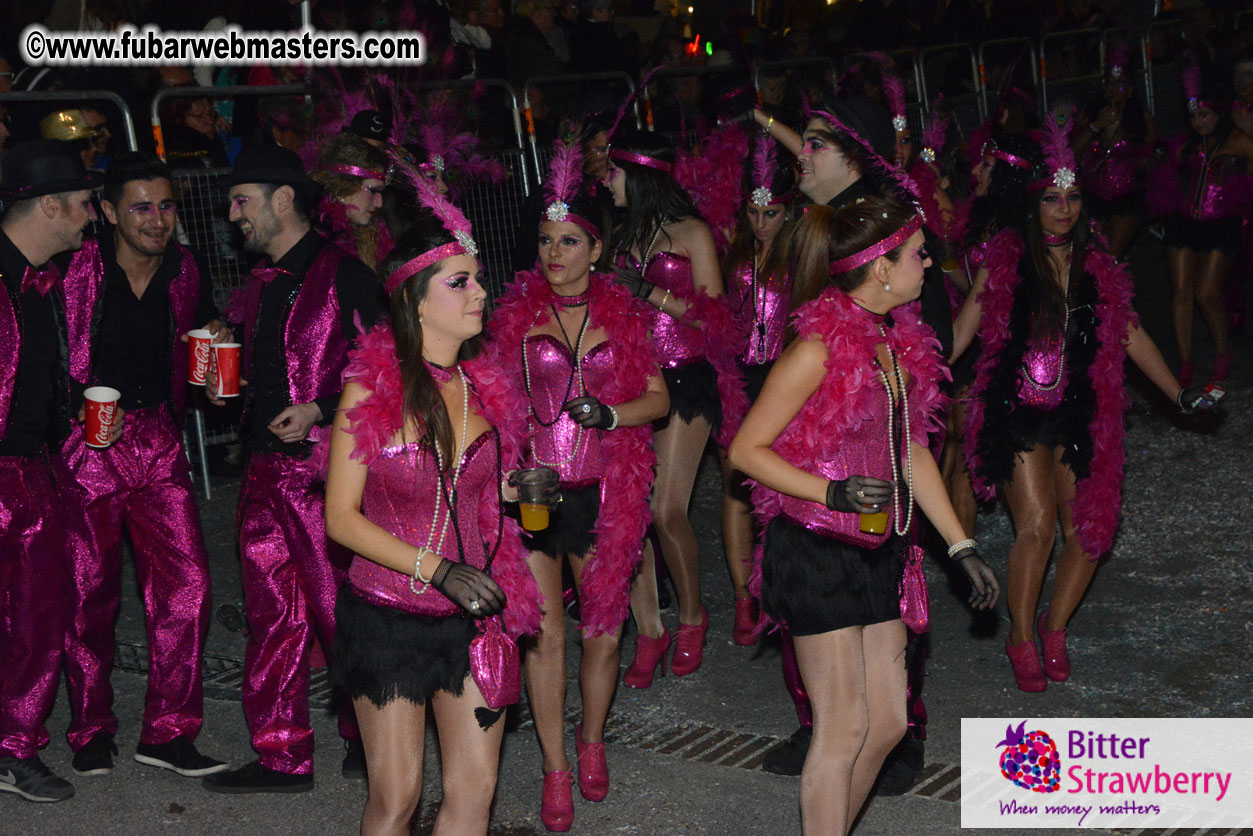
(1053, 649)
(1028, 673)
(1222, 364)
(649, 655)
(746, 615)
(689, 646)
(556, 808)
(593, 769)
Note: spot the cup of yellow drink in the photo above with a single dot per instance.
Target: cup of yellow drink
(536, 486)
(875, 523)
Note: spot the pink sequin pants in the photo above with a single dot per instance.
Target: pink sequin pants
(141, 483)
(33, 608)
(291, 575)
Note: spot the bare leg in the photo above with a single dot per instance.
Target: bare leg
(1030, 494)
(1120, 231)
(1181, 264)
(737, 527)
(393, 737)
(598, 667)
(1214, 267)
(883, 647)
(679, 449)
(960, 490)
(546, 665)
(644, 607)
(1074, 568)
(470, 757)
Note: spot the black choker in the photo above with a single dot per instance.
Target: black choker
(575, 301)
(1056, 240)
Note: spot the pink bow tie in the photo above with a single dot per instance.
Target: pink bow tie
(41, 280)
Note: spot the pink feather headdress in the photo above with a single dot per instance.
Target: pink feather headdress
(934, 133)
(1192, 86)
(1059, 159)
(894, 90)
(1119, 63)
(765, 162)
(453, 220)
(565, 180)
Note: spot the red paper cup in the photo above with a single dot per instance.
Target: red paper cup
(100, 406)
(198, 355)
(226, 361)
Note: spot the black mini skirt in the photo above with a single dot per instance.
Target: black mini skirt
(694, 392)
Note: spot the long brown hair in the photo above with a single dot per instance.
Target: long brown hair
(824, 235)
(422, 401)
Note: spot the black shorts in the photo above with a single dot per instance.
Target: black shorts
(694, 392)
(570, 524)
(755, 378)
(1222, 234)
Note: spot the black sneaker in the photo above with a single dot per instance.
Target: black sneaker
(96, 757)
(354, 760)
(256, 778)
(29, 778)
(788, 758)
(900, 768)
(179, 755)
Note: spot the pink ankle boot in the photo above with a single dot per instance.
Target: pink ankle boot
(1053, 649)
(1028, 673)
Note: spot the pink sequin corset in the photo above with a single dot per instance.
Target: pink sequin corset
(1039, 372)
(1110, 173)
(863, 452)
(1207, 193)
(550, 362)
(762, 311)
(973, 259)
(399, 495)
(677, 344)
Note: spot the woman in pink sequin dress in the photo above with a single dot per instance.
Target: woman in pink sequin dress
(840, 431)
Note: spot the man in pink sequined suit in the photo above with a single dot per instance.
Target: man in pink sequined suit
(47, 205)
(130, 295)
(298, 312)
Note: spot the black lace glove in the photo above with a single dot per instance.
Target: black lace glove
(589, 413)
(1200, 398)
(471, 589)
(859, 495)
(633, 281)
(984, 590)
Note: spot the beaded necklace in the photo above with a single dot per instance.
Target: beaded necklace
(576, 373)
(898, 400)
(439, 464)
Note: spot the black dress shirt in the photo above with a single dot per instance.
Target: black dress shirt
(33, 405)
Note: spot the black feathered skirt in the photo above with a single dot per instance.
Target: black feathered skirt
(386, 654)
(694, 392)
(814, 584)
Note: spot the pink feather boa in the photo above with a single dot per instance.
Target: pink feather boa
(627, 451)
(848, 388)
(721, 342)
(1098, 498)
(376, 419)
(949, 226)
(713, 178)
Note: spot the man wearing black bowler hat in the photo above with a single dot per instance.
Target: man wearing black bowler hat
(47, 197)
(296, 316)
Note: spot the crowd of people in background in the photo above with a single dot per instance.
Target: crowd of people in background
(875, 321)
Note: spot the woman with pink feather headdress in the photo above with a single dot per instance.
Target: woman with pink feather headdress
(576, 348)
(1212, 191)
(1114, 139)
(1044, 423)
(759, 288)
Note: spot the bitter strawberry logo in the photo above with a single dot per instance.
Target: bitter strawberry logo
(1030, 759)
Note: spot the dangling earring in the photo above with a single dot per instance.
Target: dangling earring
(420, 323)
(887, 287)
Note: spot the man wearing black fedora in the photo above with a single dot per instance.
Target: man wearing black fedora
(47, 198)
(296, 317)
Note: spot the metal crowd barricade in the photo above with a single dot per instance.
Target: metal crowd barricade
(908, 69)
(1164, 75)
(1078, 86)
(1025, 64)
(539, 157)
(794, 64)
(681, 72)
(965, 104)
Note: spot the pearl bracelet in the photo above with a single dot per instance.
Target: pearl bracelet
(417, 574)
(504, 482)
(961, 545)
(613, 413)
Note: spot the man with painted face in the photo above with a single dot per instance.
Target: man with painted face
(298, 311)
(131, 297)
(47, 198)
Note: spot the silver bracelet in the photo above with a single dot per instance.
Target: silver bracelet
(613, 413)
(504, 481)
(961, 545)
(417, 574)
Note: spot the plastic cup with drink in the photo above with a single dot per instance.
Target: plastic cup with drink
(536, 489)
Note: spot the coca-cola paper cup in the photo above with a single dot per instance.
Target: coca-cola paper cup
(226, 361)
(101, 407)
(198, 355)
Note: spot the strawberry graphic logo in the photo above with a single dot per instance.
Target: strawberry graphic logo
(1030, 759)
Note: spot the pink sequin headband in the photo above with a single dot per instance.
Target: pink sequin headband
(872, 252)
(1013, 159)
(416, 265)
(355, 171)
(639, 159)
(559, 211)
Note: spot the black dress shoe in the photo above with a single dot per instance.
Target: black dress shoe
(354, 760)
(788, 758)
(256, 778)
(900, 768)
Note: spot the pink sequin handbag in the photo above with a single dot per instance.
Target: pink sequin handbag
(915, 604)
(495, 666)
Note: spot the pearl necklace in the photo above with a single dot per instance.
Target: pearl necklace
(759, 322)
(575, 374)
(892, 444)
(1061, 363)
(456, 474)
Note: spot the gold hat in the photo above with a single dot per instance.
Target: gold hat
(67, 125)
